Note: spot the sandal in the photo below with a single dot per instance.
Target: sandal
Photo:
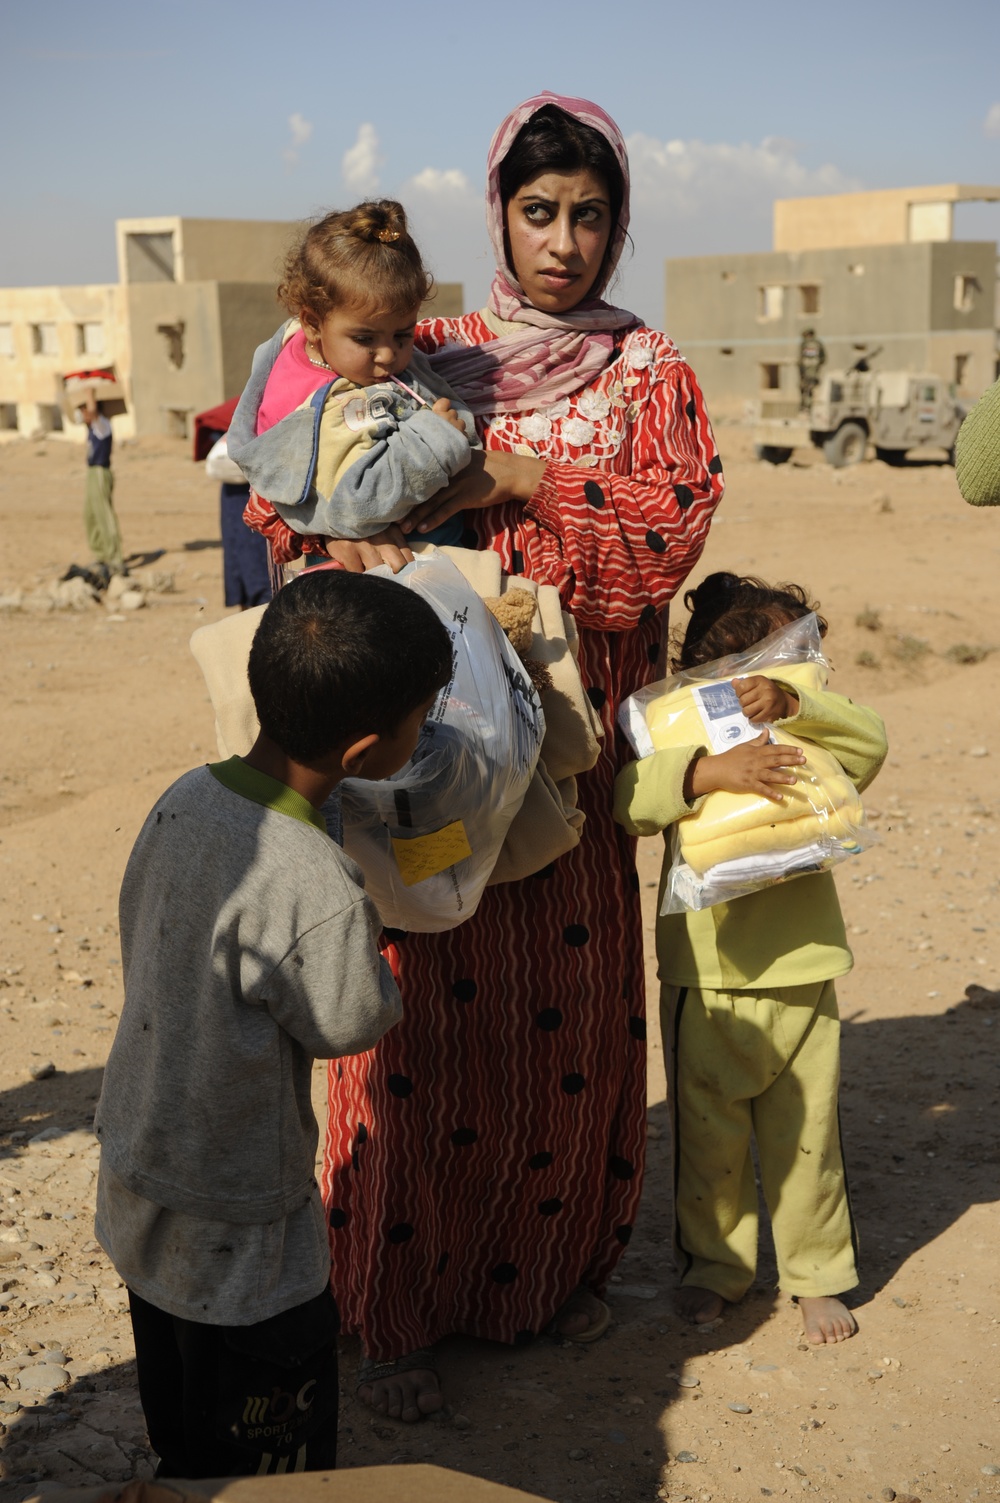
(371, 1371)
(583, 1302)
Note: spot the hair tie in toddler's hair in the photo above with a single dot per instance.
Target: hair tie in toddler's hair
(387, 236)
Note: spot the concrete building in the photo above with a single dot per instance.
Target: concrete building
(861, 269)
(194, 298)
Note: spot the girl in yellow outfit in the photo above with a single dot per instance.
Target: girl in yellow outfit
(747, 1003)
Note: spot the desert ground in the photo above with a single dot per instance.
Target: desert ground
(104, 706)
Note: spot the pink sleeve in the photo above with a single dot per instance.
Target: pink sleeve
(619, 546)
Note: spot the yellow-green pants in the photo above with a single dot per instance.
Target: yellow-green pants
(767, 1065)
(103, 536)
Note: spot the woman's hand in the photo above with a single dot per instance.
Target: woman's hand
(386, 547)
(755, 767)
(491, 477)
(762, 700)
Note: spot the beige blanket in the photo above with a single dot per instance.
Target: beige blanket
(549, 822)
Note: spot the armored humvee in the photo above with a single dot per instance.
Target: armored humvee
(897, 411)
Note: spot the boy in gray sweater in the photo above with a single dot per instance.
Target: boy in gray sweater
(249, 948)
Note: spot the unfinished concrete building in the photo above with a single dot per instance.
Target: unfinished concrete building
(861, 270)
(194, 298)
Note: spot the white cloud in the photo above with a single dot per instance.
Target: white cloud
(692, 197)
(449, 225)
(699, 180)
(435, 180)
(360, 162)
(991, 125)
(301, 130)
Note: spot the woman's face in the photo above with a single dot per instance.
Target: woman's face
(558, 227)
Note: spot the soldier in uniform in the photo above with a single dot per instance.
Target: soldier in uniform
(812, 358)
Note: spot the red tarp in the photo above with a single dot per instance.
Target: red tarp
(208, 425)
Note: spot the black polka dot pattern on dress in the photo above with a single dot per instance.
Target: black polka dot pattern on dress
(624, 1235)
(633, 881)
(576, 935)
(573, 1084)
(715, 465)
(338, 1218)
(442, 1262)
(394, 936)
(400, 1233)
(401, 1086)
(593, 493)
(647, 614)
(470, 538)
(540, 1161)
(464, 991)
(692, 410)
(504, 1273)
(463, 1137)
(544, 872)
(362, 1133)
(517, 562)
(637, 1027)
(549, 1019)
(550, 1207)
(597, 697)
(653, 652)
(685, 495)
(621, 1168)
(655, 543)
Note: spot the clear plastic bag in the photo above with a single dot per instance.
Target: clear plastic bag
(428, 838)
(738, 843)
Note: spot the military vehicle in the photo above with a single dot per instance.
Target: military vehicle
(897, 411)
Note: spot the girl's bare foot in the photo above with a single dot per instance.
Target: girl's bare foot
(699, 1306)
(826, 1319)
(400, 1390)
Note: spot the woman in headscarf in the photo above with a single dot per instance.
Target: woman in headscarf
(484, 1163)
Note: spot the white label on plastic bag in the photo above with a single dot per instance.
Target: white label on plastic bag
(724, 721)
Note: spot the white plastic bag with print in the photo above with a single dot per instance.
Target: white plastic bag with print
(738, 843)
(428, 838)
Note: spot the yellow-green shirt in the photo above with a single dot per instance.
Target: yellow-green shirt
(785, 935)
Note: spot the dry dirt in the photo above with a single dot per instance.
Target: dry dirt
(103, 709)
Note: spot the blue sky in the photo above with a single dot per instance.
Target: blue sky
(277, 111)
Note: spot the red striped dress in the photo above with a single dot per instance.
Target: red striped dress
(486, 1158)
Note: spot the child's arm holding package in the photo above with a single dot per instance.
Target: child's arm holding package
(333, 991)
(660, 789)
(852, 733)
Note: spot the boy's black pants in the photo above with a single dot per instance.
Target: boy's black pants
(239, 1401)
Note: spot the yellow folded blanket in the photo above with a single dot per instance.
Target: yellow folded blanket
(823, 803)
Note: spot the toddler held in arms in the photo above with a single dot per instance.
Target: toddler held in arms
(343, 427)
(748, 1005)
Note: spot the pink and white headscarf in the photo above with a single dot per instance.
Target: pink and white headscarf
(558, 353)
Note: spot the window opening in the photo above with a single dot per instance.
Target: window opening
(44, 339)
(770, 302)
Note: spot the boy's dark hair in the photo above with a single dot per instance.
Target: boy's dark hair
(363, 257)
(552, 141)
(340, 655)
(731, 613)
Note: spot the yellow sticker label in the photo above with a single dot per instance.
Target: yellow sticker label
(426, 855)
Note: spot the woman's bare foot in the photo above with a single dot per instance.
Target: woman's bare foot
(827, 1319)
(698, 1306)
(398, 1390)
(583, 1317)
